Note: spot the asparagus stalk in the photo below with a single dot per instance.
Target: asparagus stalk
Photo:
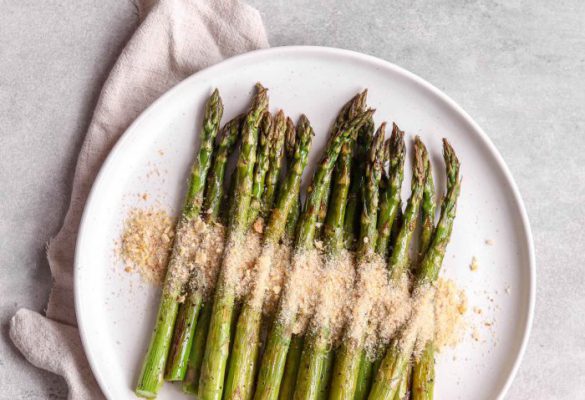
(364, 378)
(274, 357)
(347, 362)
(390, 186)
(315, 357)
(291, 368)
(186, 322)
(423, 378)
(289, 145)
(403, 392)
(240, 378)
(428, 209)
(275, 159)
(399, 352)
(151, 375)
(317, 344)
(390, 197)
(191, 380)
(214, 195)
(347, 112)
(293, 357)
(262, 166)
(218, 338)
(427, 228)
(215, 189)
(353, 209)
(323, 207)
(423, 374)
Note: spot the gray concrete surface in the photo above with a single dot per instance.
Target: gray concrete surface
(518, 67)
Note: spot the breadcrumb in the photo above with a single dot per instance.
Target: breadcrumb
(334, 294)
(450, 309)
(300, 290)
(146, 241)
(474, 266)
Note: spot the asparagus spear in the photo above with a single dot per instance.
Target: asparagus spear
(423, 377)
(423, 374)
(261, 168)
(218, 338)
(348, 111)
(293, 216)
(390, 186)
(275, 159)
(347, 362)
(315, 356)
(390, 198)
(428, 214)
(274, 356)
(293, 357)
(353, 208)
(239, 383)
(352, 211)
(151, 375)
(215, 189)
(317, 343)
(186, 322)
(364, 378)
(427, 228)
(214, 194)
(291, 368)
(400, 350)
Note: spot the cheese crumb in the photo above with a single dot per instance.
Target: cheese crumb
(277, 278)
(300, 289)
(146, 241)
(379, 306)
(474, 264)
(206, 258)
(450, 309)
(240, 256)
(334, 294)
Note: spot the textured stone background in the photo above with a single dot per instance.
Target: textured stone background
(518, 67)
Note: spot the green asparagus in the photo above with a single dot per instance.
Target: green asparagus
(347, 361)
(151, 375)
(240, 378)
(214, 193)
(315, 356)
(273, 360)
(423, 377)
(390, 197)
(218, 337)
(186, 322)
(262, 166)
(275, 159)
(398, 353)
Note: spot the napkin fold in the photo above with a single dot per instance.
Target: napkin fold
(174, 39)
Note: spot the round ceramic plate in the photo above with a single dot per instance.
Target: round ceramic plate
(116, 310)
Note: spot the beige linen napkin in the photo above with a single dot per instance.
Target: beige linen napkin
(174, 39)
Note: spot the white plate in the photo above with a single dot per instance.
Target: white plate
(116, 311)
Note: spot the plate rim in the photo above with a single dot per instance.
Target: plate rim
(319, 51)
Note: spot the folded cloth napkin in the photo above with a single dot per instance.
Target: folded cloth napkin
(174, 39)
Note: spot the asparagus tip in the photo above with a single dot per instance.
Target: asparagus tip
(421, 160)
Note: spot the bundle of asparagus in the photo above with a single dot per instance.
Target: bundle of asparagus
(331, 325)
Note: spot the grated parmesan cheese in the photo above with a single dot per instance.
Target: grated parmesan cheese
(277, 278)
(146, 242)
(379, 307)
(450, 309)
(300, 290)
(206, 258)
(334, 295)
